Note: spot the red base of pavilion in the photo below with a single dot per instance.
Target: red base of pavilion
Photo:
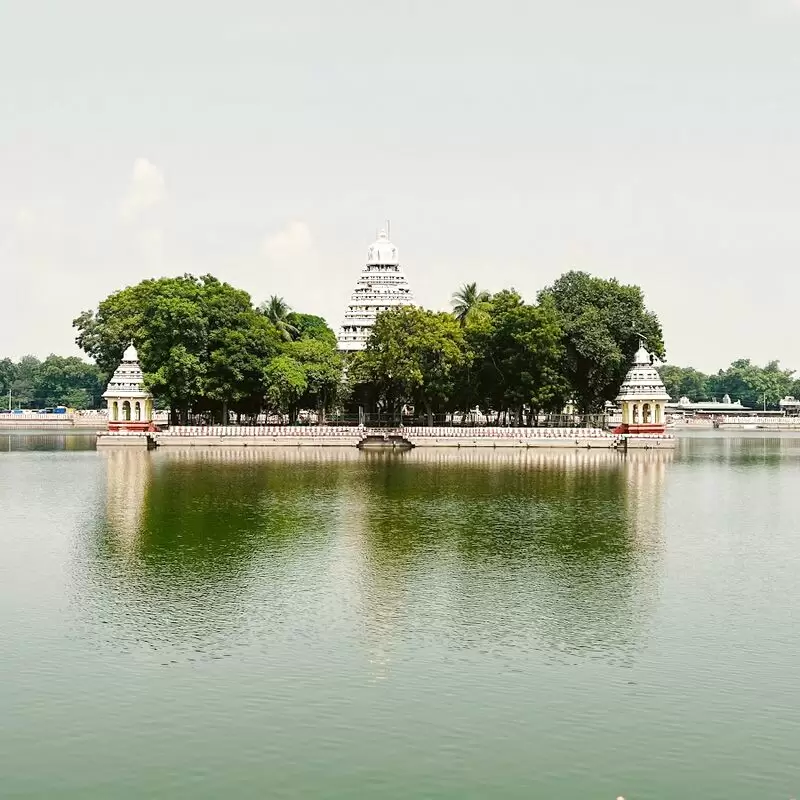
(640, 427)
(132, 427)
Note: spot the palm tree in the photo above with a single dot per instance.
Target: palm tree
(467, 301)
(277, 311)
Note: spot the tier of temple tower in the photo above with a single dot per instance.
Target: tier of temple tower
(381, 285)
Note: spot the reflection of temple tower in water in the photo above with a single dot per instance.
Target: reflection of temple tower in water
(376, 597)
(128, 479)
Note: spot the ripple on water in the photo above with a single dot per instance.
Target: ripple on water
(438, 625)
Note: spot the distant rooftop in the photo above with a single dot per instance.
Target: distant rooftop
(726, 405)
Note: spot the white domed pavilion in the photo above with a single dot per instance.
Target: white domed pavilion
(643, 397)
(130, 405)
(382, 285)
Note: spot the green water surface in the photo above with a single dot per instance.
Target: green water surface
(332, 624)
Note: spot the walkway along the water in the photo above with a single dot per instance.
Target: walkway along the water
(405, 437)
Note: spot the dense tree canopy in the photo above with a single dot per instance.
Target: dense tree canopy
(603, 322)
(414, 355)
(8, 374)
(515, 356)
(754, 386)
(205, 349)
(56, 381)
(505, 355)
(309, 326)
(203, 346)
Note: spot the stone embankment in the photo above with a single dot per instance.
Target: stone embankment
(383, 438)
(29, 420)
(773, 424)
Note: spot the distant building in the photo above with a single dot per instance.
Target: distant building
(381, 285)
(725, 406)
(790, 406)
(716, 408)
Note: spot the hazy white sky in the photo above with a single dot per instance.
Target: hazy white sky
(508, 141)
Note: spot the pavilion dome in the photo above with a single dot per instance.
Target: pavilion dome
(382, 251)
(642, 357)
(128, 379)
(642, 381)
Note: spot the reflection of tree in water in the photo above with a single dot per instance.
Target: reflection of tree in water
(189, 537)
(553, 550)
(473, 550)
(47, 441)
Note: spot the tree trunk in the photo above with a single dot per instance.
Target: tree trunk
(224, 412)
(429, 412)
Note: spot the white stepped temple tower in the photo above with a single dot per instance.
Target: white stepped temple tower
(382, 285)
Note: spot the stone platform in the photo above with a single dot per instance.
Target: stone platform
(384, 438)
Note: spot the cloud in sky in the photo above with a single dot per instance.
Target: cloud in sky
(24, 220)
(292, 245)
(146, 189)
(294, 268)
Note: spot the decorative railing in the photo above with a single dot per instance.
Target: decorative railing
(758, 420)
(360, 432)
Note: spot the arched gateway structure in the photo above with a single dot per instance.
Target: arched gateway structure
(130, 406)
(643, 397)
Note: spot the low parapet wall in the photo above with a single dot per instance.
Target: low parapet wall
(124, 439)
(340, 436)
(758, 423)
(206, 440)
(30, 420)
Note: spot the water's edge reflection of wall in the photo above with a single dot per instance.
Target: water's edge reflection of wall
(558, 550)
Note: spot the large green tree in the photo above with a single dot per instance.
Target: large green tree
(755, 386)
(685, 382)
(322, 365)
(8, 374)
(310, 326)
(603, 321)
(286, 383)
(23, 388)
(517, 351)
(414, 355)
(68, 381)
(56, 381)
(202, 345)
